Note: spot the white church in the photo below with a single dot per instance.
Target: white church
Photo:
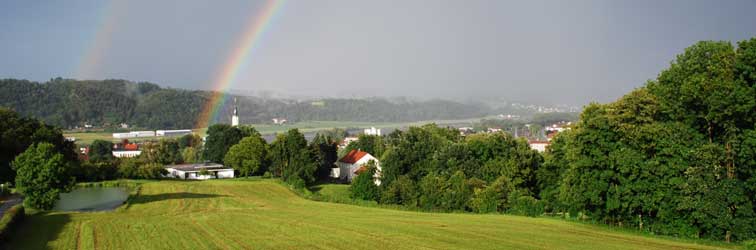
(235, 117)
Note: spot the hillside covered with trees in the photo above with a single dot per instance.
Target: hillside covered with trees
(69, 103)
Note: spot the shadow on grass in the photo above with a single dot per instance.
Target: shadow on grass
(143, 199)
(36, 230)
(315, 188)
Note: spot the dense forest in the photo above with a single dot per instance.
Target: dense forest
(69, 103)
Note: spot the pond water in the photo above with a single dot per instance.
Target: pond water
(92, 199)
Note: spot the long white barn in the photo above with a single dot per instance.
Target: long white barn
(192, 171)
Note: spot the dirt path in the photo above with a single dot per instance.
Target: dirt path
(9, 202)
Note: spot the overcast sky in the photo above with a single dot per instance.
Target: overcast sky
(551, 52)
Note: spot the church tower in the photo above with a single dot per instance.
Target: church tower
(235, 117)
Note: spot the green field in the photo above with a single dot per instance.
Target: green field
(267, 129)
(263, 214)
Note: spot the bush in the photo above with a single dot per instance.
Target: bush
(458, 193)
(96, 170)
(10, 219)
(493, 198)
(151, 171)
(402, 191)
(749, 245)
(432, 187)
(363, 186)
(267, 175)
(297, 183)
(526, 205)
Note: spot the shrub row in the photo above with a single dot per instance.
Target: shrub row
(10, 219)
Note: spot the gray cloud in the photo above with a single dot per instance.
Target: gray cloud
(570, 52)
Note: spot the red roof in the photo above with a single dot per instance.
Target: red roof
(353, 156)
(131, 146)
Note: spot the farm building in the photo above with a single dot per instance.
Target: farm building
(354, 163)
(179, 132)
(193, 171)
(134, 134)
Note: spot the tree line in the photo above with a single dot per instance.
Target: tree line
(674, 157)
(69, 103)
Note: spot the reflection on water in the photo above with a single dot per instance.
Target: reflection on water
(92, 199)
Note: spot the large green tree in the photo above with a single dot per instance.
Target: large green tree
(369, 143)
(42, 174)
(163, 152)
(292, 159)
(326, 150)
(249, 156)
(220, 137)
(18, 133)
(101, 150)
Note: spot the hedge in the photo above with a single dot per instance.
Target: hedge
(10, 219)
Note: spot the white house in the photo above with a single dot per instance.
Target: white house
(539, 146)
(354, 163)
(372, 131)
(192, 171)
(279, 121)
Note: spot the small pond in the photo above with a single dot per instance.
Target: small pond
(92, 199)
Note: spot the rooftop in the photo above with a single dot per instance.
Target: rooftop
(353, 156)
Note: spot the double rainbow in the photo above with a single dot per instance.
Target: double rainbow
(256, 28)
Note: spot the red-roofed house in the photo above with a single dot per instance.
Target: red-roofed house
(354, 163)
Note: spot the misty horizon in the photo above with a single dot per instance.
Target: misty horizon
(539, 52)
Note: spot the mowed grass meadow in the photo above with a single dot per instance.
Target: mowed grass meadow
(264, 214)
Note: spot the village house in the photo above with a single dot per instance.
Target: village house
(346, 141)
(354, 163)
(279, 121)
(466, 131)
(539, 146)
(124, 149)
(195, 171)
(372, 131)
(558, 127)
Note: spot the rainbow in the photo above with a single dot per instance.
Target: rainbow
(90, 62)
(256, 28)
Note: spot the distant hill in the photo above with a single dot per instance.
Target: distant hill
(69, 103)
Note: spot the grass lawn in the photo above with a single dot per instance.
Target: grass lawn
(262, 214)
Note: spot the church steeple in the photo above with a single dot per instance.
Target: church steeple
(235, 117)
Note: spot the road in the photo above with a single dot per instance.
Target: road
(9, 202)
